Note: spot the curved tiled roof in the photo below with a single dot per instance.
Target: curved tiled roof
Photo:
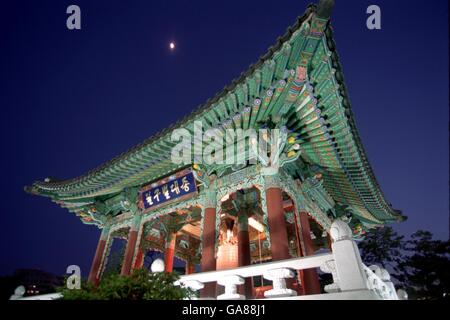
(149, 160)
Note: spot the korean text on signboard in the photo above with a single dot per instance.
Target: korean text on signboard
(169, 191)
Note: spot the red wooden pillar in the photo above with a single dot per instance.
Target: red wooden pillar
(277, 225)
(139, 261)
(310, 278)
(300, 289)
(244, 258)
(170, 251)
(208, 262)
(94, 274)
(190, 268)
(279, 243)
(131, 246)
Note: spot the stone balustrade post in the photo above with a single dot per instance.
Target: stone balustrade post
(384, 275)
(349, 269)
(278, 278)
(230, 283)
(191, 284)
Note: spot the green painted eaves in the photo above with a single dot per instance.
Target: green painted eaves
(325, 123)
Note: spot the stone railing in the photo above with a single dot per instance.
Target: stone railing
(379, 280)
(277, 272)
(49, 296)
(351, 278)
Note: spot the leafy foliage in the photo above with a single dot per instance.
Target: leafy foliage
(382, 246)
(87, 292)
(421, 264)
(425, 269)
(140, 285)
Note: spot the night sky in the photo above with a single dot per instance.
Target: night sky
(71, 100)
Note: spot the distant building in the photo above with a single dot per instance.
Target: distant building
(37, 281)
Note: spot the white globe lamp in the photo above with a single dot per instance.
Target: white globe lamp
(157, 266)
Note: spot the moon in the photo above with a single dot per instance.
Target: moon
(172, 46)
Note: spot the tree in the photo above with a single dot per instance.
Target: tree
(382, 246)
(140, 285)
(425, 269)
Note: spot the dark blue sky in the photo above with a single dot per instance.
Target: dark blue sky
(71, 100)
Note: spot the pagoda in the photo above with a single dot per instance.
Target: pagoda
(225, 215)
